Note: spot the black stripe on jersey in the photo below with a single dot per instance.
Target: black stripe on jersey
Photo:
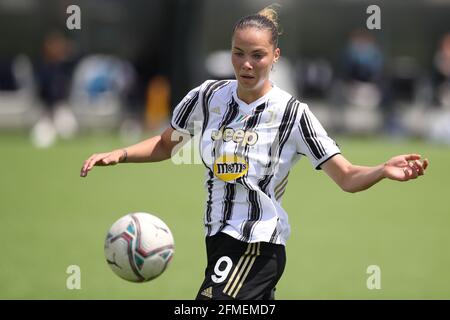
(209, 183)
(253, 121)
(210, 90)
(254, 209)
(284, 131)
(186, 111)
(228, 117)
(228, 201)
(310, 138)
(325, 160)
(319, 144)
(231, 113)
(250, 123)
(230, 188)
(275, 233)
(254, 212)
(288, 125)
(206, 94)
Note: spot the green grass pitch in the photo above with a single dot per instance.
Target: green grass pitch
(51, 218)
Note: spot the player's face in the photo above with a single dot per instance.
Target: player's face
(253, 55)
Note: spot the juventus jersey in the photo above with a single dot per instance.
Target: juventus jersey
(248, 150)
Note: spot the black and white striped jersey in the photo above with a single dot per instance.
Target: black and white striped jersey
(248, 151)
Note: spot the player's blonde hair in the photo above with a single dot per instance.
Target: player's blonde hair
(266, 19)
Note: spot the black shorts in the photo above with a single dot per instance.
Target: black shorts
(241, 270)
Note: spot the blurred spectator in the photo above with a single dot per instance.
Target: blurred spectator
(99, 76)
(361, 72)
(100, 92)
(54, 70)
(54, 73)
(157, 109)
(17, 92)
(8, 81)
(314, 78)
(441, 77)
(358, 90)
(363, 59)
(439, 119)
(404, 77)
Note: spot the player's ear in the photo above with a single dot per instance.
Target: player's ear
(276, 55)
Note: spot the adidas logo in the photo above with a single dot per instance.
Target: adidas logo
(207, 292)
(215, 110)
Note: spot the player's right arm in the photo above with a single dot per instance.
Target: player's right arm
(157, 148)
(160, 147)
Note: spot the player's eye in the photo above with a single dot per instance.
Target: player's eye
(258, 56)
(239, 54)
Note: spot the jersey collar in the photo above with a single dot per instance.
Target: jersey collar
(250, 106)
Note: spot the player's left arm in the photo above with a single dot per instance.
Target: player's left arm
(354, 178)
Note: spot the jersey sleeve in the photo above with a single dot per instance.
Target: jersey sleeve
(314, 141)
(188, 112)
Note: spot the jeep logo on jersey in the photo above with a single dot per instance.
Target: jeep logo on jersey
(248, 137)
(230, 167)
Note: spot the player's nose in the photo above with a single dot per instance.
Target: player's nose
(247, 65)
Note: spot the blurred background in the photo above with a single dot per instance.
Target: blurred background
(65, 94)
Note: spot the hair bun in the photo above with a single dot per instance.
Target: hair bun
(270, 13)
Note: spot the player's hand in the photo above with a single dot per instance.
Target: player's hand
(405, 167)
(102, 159)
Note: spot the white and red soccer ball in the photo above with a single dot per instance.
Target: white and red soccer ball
(139, 247)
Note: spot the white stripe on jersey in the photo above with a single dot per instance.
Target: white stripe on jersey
(265, 139)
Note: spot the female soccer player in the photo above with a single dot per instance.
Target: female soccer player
(251, 134)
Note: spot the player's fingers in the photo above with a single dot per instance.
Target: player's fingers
(412, 170)
(419, 167)
(415, 167)
(102, 159)
(413, 156)
(105, 161)
(425, 164)
(108, 161)
(90, 163)
(406, 172)
(95, 161)
(111, 159)
(83, 172)
(86, 163)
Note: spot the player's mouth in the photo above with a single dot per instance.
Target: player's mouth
(247, 77)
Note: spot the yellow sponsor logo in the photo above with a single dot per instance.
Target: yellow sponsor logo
(230, 167)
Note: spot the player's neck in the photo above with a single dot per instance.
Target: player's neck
(250, 96)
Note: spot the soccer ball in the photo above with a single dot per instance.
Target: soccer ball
(139, 247)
